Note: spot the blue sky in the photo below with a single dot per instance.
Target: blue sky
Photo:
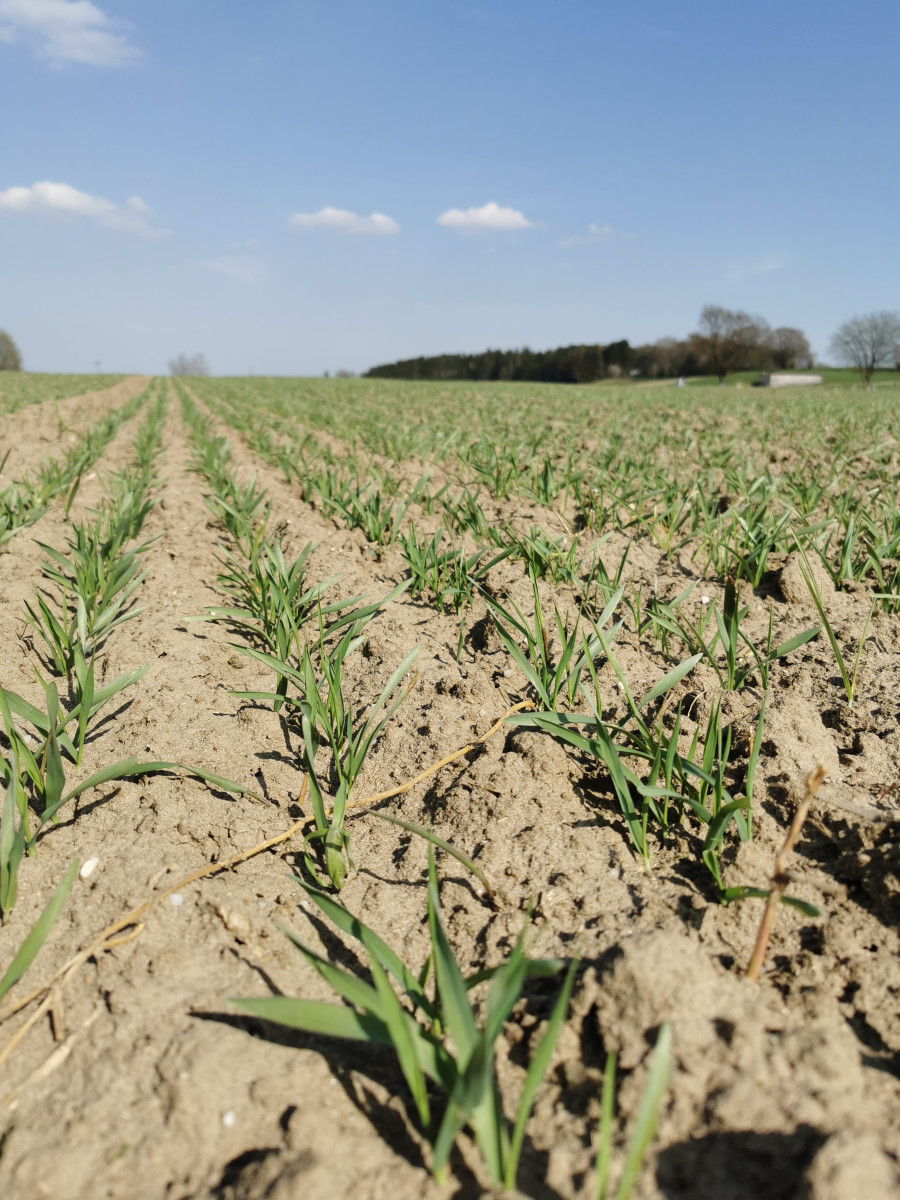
(293, 186)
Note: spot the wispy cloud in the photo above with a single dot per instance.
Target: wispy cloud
(338, 219)
(597, 233)
(246, 268)
(489, 217)
(61, 201)
(66, 30)
(765, 266)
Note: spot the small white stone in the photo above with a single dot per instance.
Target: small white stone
(507, 673)
(482, 712)
(89, 867)
(704, 599)
(229, 1119)
(176, 900)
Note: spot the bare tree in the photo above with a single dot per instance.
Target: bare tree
(189, 364)
(729, 340)
(789, 348)
(868, 342)
(10, 358)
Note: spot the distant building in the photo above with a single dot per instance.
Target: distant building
(787, 380)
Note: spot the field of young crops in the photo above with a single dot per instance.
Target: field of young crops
(435, 789)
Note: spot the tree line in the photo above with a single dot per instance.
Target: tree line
(725, 340)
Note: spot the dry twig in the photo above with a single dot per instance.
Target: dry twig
(129, 927)
(780, 877)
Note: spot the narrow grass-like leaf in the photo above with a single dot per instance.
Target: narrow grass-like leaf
(537, 1069)
(39, 931)
(648, 1114)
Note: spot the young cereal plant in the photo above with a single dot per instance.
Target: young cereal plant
(40, 931)
(35, 780)
(499, 470)
(669, 775)
(367, 510)
(443, 1043)
(465, 515)
(738, 667)
(546, 557)
(848, 673)
(327, 715)
(599, 585)
(350, 734)
(270, 602)
(644, 1125)
(549, 677)
(450, 576)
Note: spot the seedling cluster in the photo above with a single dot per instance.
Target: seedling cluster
(537, 527)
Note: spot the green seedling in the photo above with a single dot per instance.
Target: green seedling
(499, 470)
(440, 1039)
(546, 557)
(599, 585)
(34, 776)
(39, 932)
(465, 515)
(645, 1122)
(367, 510)
(449, 577)
(550, 678)
(327, 714)
(848, 673)
(270, 602)
(742, 659)
(670, 776)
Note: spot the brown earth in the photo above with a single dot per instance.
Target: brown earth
(146, 1084)
(48, 430)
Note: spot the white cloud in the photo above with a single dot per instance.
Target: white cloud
(344, 222)
(595, 233)
(489, 217)
(60, 201)
(764, 266)
(246, 268)
(66, 30)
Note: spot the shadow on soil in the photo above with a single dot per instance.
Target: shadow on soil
(353, 1070)
(738, 1166)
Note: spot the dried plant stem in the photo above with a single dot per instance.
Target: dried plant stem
(780, 877)
(404, 787)
(108, 939)
(129, 927)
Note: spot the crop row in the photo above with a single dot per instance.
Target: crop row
(704, 483)
(305, 639)
(18, 391)
(666, 771)
(24, 501)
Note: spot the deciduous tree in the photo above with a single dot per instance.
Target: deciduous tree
(789, 348)
(10, 358)
(868, 342)
(189, 364)
(729, 340)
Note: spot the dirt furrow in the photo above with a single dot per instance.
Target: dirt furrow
(47, 430)
(158, 1089)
